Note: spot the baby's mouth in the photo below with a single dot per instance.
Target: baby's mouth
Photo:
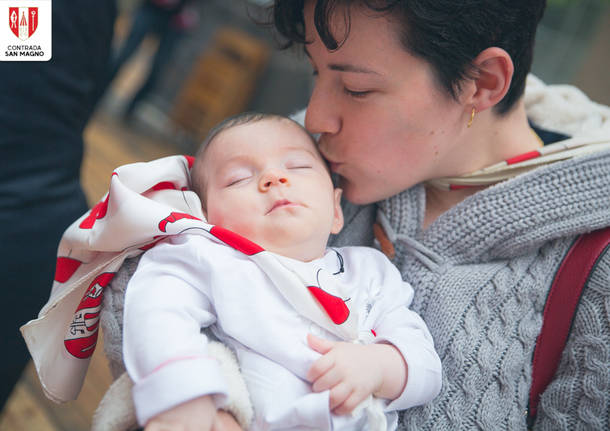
(280, 203)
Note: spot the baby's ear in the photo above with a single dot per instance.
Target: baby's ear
(338, 212)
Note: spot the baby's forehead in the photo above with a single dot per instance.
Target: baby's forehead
(285, 134)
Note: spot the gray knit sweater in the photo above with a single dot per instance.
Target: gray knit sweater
(481, 273)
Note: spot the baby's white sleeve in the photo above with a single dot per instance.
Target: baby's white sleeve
(164, 351)
(393, 322)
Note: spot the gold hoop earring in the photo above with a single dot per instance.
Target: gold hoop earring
(471, 117)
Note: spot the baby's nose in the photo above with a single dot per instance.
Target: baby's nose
(272, 177)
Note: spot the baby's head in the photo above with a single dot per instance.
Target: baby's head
(261, 176)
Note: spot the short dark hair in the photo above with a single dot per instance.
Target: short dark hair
(448, 34)
(197, 184)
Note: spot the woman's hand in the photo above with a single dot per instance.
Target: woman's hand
(198, 414)
(352, 372)
(225, 422)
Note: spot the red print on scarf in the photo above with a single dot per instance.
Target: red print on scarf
(190, 160)
(156, 238)
(97, 212)
(163, 185)
(65, 268)
(173, 217)
(333, 305)
(81, 338)
(236, 241)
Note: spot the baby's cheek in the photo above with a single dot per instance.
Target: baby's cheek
(222, 210)
(237, 221)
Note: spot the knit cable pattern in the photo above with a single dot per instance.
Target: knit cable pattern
(500, 251)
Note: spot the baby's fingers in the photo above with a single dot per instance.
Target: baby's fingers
(320, 367)
(339, 394)
(327, 380)
(320, 345)
(350, 403)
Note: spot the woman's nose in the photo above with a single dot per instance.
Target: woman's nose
(322, 115)
(272, 177)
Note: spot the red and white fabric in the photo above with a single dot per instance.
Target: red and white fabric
(146, 203)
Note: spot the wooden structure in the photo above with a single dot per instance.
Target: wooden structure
(221, 83)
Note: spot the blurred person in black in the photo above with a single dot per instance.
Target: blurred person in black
(169, 20)
(44, 107)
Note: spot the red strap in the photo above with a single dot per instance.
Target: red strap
(560, 309)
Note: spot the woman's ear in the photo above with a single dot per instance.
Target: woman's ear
(338, 212)
(493, 77)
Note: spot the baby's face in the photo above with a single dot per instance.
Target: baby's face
(267, 182)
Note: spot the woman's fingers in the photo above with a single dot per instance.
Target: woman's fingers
(225, 422)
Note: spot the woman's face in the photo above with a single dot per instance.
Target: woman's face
(384, 123)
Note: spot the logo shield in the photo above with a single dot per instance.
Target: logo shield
(23, 21)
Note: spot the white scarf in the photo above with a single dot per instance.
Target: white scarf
(510, 168)
(146, 203)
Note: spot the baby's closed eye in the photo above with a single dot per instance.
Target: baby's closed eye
(237, 177)
(300, 163)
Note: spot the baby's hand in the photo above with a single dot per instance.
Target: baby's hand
(198, 414)
(352, 372)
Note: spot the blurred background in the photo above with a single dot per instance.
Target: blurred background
(213, 60)
(211, 73)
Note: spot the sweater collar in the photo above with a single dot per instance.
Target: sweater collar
(510, 218)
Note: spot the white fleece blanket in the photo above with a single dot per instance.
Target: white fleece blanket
(146, 203)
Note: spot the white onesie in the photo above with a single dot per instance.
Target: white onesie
(189, 282)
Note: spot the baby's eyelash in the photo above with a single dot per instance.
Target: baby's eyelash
(232, 183)
(356, 94)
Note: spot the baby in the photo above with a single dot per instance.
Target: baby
(261, 177)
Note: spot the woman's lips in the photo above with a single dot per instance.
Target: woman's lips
(334, 166)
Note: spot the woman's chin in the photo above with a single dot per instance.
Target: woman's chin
(358, 195)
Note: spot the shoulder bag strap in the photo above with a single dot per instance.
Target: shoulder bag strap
(560, 309)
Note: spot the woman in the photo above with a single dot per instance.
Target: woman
(410, 96)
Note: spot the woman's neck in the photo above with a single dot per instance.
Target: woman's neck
(491, 140)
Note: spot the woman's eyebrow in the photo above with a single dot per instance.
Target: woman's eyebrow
(344, 67)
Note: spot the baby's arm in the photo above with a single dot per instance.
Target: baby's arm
(164, 352)
(401, 365)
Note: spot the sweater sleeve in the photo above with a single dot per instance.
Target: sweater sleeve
(579, 395)
(393, 322)
(164, 351)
